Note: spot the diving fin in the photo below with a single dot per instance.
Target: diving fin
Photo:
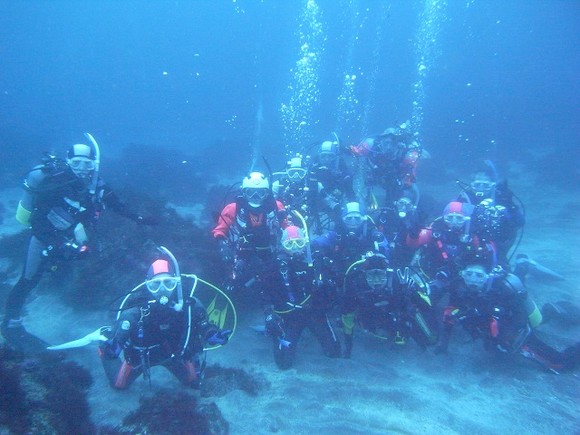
(561, 311)
(81, 342)
(536, 269)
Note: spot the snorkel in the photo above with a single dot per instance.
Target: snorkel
(306, 236)
(179, 305)
(95, 179)
(468, 209)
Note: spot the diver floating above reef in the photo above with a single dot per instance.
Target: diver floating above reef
(62, 201)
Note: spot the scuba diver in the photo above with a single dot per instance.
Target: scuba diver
(492, 304)
(444, 244)
(330, 168)
(390, 161)
(499, 216)
(299, 295)
(248, 229)
(297, 190)
(62, 202)
(400, 220)
(355, 235)
(496, 217)
(158, 325)
(392, 304)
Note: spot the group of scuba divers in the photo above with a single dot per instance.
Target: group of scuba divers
(338, 234)
(341, 235)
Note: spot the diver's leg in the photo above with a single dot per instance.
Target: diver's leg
(562, 311)
(187, 371)
(571, 357)
(285, 346)
(29, 279)
(321, 327)
(120, 373)
(550, 358)
(423, 329)
(11, 327)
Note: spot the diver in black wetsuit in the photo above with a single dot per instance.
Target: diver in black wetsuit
(392, 304)
(160, 327)
(497, 216)
(299, 295)
(494, 305)
(61, 202)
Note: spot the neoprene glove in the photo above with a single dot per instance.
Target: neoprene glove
(110, 349)
(221, 337)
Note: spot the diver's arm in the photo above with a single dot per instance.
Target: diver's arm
(112, 201)
(119, 337)
(225, 220)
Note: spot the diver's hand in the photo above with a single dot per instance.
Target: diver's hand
(405, 277)
(109, 349)
(221, 337)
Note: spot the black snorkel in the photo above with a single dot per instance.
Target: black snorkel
(270, 173)
(270, 179)
(465, 188)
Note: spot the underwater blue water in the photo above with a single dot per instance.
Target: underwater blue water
(499, 76)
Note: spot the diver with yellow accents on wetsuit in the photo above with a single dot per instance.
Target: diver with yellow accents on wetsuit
(392, 304)
(61, 205)
(158, 324)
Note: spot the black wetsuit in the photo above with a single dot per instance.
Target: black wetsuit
(503, 316)
(396, 312)
(299, 296)
(497, 220)
(60, 202)
(155, 334)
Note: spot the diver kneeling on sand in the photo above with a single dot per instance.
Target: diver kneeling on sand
(157, 325)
